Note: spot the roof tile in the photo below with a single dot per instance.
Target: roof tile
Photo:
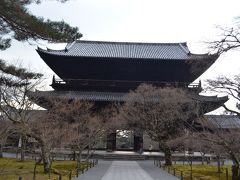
(125, 50)
(224, 121)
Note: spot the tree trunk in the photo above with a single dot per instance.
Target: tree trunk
(167, 153)
(34, 170)
(202, 157)
(191, 168)
(22, 148)
(46, 159)
(22, 153)
(184, 158)
(168, 156)
(89, 153)
(79, 158)
(235, 167)
(74, 156)
(235, 172)
(1, 151)
(219, 164)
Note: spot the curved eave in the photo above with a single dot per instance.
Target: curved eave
(50, 51)
(199, 63)
(43, 54)
(76, 67)
(210, 103)
(207, 103)
(39, 99)
(205, 56)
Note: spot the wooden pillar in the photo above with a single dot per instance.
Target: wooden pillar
(111, 141)
(138, 141)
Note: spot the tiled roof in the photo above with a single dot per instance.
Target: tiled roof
(100, 49)
(107, 96)
(83, 95)
(210, 98)
(224, 121)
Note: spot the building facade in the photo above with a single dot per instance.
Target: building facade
(104, 72)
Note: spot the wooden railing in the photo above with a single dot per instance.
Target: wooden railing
(74, 83)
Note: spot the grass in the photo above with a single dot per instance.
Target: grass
(202, 172)
(11, 169)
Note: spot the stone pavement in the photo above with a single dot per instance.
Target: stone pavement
(155, 172)
(125, 170)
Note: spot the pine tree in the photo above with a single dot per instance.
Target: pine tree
(17, 23)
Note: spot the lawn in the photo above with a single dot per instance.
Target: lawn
(202, 172)
(11, 169)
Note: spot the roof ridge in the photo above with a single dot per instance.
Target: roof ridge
(184, 47)
(220, 115)
(121, 42)
(69, 45)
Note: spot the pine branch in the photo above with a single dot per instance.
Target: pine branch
(14, 17)
(21, 73)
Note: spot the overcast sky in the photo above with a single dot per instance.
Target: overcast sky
(188, 21)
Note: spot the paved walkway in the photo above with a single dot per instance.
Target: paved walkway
(126, 170)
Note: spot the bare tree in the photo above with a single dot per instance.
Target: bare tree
(229, 86)
(190, 142)
(20, 110)
(227, 139)
(67, 121)
(84, 123)
(84, 135)
(48, 133)
(163, 113)
(5, 130)
(15, 105)
(80, 125)
(224, 141)
(229, 38)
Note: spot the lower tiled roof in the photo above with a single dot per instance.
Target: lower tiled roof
(83, 95)
(108, 96)
(224, 121)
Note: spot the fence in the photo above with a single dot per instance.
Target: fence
(89, 165)
(190, 175)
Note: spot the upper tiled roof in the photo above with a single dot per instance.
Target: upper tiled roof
(224, 121)
(124, 50)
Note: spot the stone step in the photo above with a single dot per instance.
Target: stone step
(123, 157)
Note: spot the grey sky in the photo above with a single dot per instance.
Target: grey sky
(141, 21)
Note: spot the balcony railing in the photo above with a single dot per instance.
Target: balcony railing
(115, 84)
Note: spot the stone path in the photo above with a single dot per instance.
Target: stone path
(126, 170)
(155, 172)
(97, 172)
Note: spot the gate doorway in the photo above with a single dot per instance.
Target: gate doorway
(124, 140)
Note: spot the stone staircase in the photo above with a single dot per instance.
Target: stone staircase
(131, 157)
